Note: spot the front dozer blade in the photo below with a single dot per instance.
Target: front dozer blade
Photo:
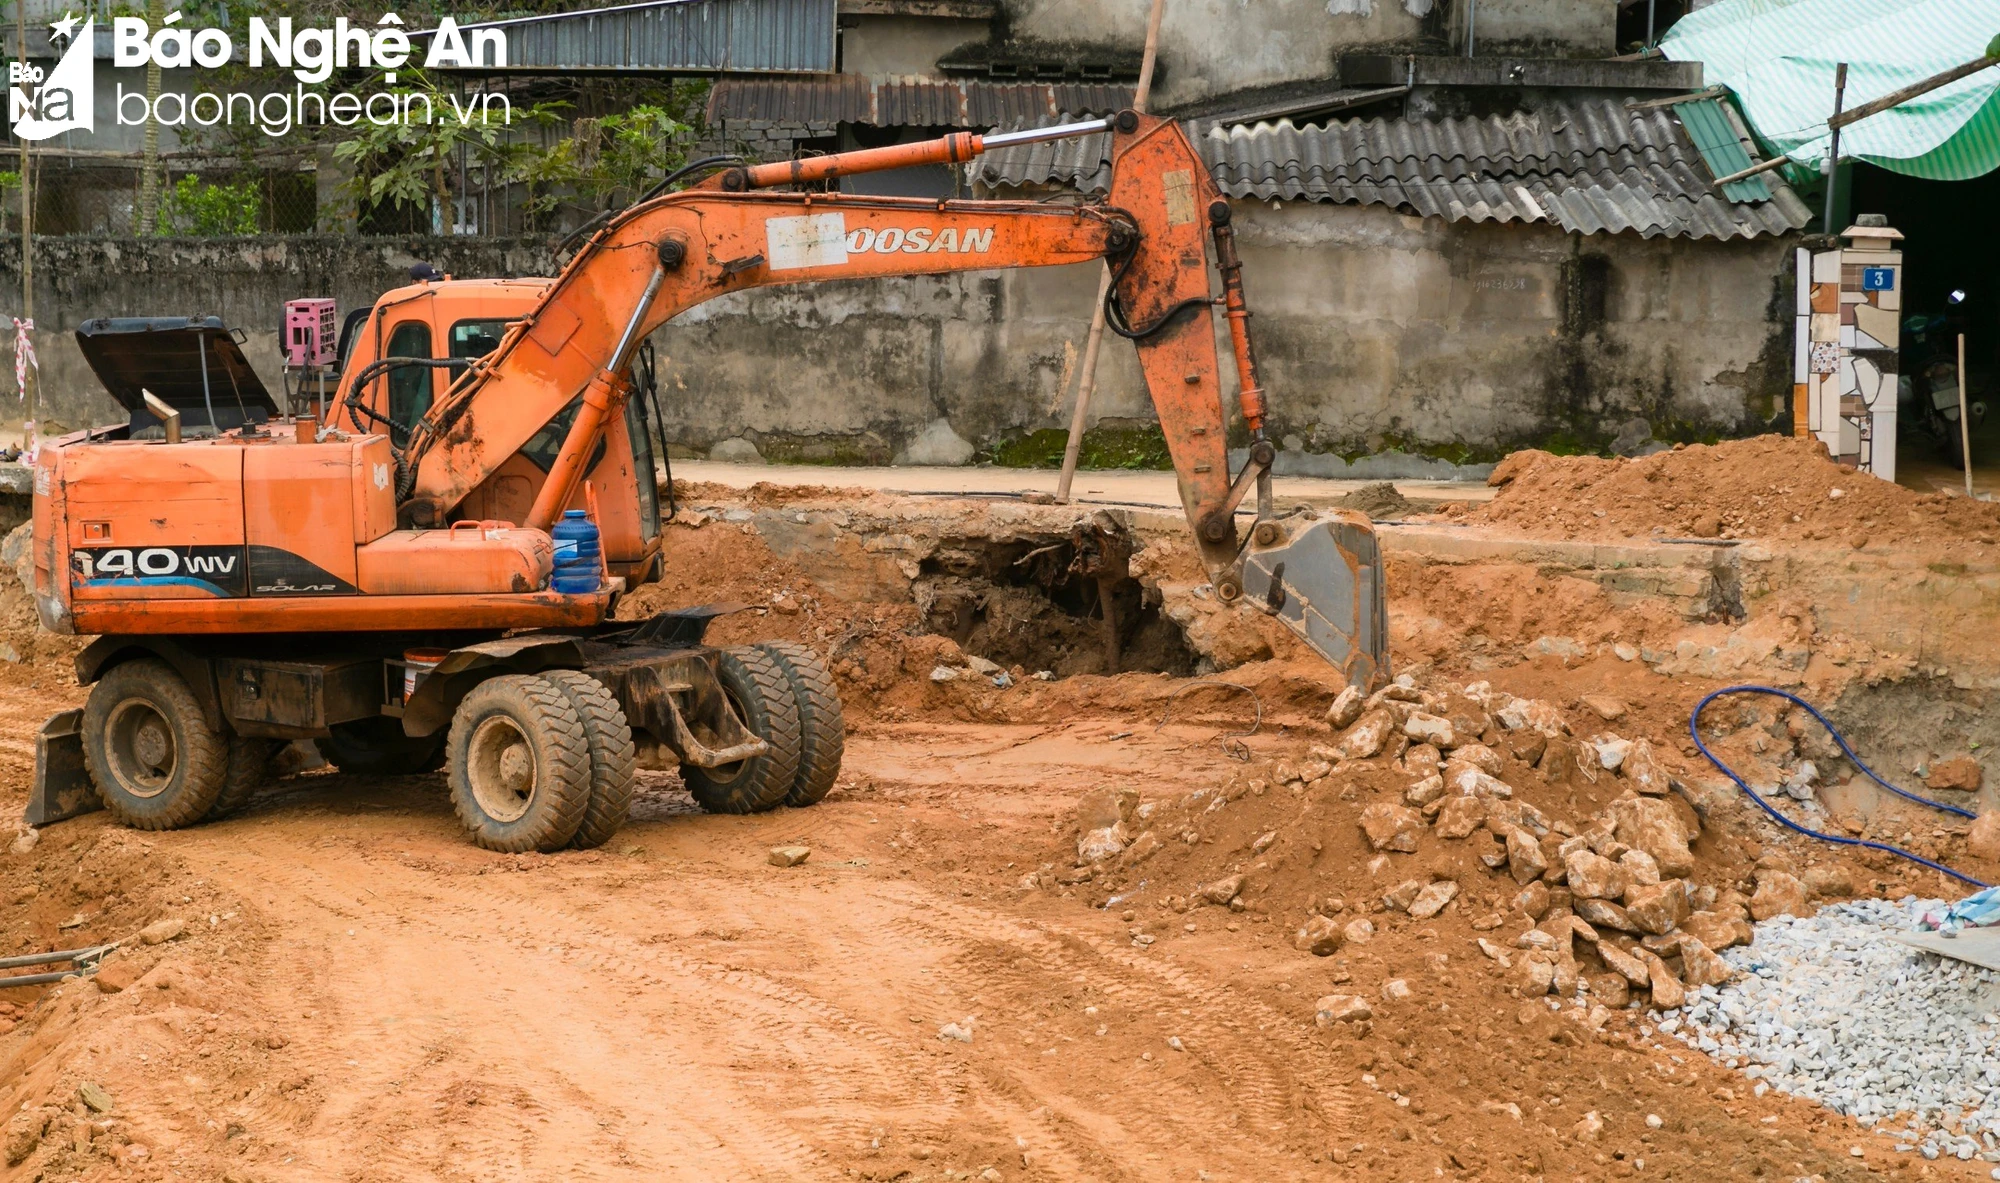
(1323, 578)
(62, 785)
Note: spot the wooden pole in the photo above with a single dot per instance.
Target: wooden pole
(1762, 166)
(1833, 148)
(146, 218)
(1964, 420)
(1086, 383)
(27, 233)
(1896, 98)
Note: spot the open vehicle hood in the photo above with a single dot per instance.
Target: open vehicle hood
(165, 354)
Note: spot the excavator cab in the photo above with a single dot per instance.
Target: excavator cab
(444, 325)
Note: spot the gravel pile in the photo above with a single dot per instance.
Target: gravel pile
(1830, 1010)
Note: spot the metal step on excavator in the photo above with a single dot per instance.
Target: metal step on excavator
(424, 574)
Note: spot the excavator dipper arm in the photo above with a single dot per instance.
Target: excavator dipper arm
(664, 256)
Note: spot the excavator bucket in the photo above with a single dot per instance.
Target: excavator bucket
(1323, 578)
(62, 786)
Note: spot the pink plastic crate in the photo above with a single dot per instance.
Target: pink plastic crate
(311, 332)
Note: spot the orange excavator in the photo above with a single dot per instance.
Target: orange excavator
(428, 577)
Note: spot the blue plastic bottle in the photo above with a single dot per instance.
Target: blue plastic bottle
(579, 567)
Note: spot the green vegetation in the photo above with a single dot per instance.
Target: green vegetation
(1104, 446)
(593, 146)
(590, 163)
(1451, 452)
(1565, 443)
(1142, 446)
(199, 210)
(866, 449)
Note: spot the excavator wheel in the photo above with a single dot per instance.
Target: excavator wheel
(519, 761)
(156, 762)
(822, 732)
(378, 747)
(249, 767)
(614, 762)
(757, 687)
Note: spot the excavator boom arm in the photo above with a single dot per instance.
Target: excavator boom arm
(672, 253)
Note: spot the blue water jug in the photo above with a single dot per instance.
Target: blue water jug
(579, 568)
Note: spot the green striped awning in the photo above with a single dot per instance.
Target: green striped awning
(1779, 59)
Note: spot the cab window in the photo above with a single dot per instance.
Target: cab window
(409, 386)
(476, 338)
(349, 330)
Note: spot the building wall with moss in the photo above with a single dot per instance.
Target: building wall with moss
(1407, 344)
(1378, 333)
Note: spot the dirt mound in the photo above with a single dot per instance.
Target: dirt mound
(26, 647)
(1772, 487)
(686, 492)
(878, 658)
(1439, 934)
(102, 1072)
(1382, 501)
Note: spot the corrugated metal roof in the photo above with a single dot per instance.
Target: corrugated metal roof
(1708, 126)
(1591, 167)
(909, 102)
(704, 36)
(842, 98)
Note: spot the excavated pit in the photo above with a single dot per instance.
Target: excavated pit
(1067, 604)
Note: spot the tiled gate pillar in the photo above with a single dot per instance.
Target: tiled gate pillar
(1849, 310)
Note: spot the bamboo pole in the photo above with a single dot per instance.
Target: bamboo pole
(1897, 98)
(146, 218)
(28, 383)
(1086, 384)
(1833, 149)
(1964, 420)
(1762, 166)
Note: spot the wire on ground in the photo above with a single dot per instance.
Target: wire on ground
(1232, 741)
(1694, 728)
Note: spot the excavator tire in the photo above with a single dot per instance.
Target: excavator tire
(757, 687)
(614, 762)
(822, 732)
(156, 762)
(519, 761)
(378, 747)
(249, 766)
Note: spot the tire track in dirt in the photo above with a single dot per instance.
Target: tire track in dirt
(1139, 1134)
(753, 1145)
(850, 1092)
(848, 1111)
(562, 994)
(1258, 1080)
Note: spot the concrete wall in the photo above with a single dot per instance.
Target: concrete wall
(1377, 327)
(244, 281)
(1377, 332)
(1210, 47)
(880, 46)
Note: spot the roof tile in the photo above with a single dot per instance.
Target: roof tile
(1589, 166)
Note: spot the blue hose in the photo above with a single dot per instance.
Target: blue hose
(1694, 729)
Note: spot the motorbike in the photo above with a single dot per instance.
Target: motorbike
(1928, 388)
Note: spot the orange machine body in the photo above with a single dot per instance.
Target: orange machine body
(262, 533)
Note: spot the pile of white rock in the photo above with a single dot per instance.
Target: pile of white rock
(1831, 1010)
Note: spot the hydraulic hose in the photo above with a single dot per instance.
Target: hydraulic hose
(1694, 729)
